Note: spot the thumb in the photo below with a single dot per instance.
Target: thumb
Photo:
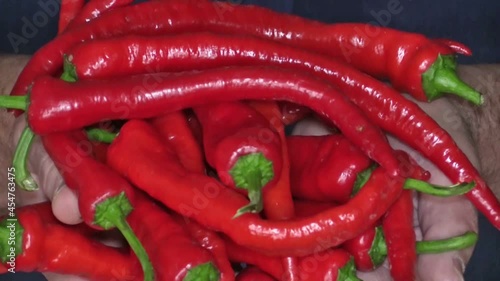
(48, 178)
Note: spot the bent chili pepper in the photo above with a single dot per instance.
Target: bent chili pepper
(400, 117)
(400, 238)
(138, 148)
(52, 247)
(253, 274)
(68, 11)
(332, 264)
(244, 150)
(176, 131)
(105, 199)
(65, 105)
(95, 8)
(174, 254)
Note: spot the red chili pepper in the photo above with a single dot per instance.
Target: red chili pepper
(279, 197)
(244, 150)
(176, 131)
(211, 241)
(55, 105)
(370, 249)
(332, 264)
(402, 118)
(52, 247)
(400, 238)
(105, 199)
(138, 148)
(324, 168)
(95, 8)
(292, 113)
(253, 274)
(68, 11)
(173, 252)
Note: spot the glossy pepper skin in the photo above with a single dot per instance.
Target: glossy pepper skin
(177, 134)
(324, 168)
(68, 11)
(400, 238)
(172, 250)
(65, 105)
(105, 198)
(94, 9)
(48, 246)
(400, 117)
(211, 241)
(253, 274)
(332, 264)
(232, 133)
(138, 148)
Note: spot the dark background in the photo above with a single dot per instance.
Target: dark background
(474, 23)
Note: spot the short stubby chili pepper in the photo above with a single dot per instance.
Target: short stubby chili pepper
(211, 241)
(324, 168)
(370, 249)
(65, 106)
(68, 11)
(400, 238)
(253, 274)
(138, 148)
(105, 199)
(332, 264)
(243, 148)
(174, 254)
(176, 131)
(400, 117)
(329, 168)
(48, 246)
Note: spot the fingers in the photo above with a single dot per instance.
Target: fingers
(61, 277)
(380, 274)
(45, 173)
(310, 127)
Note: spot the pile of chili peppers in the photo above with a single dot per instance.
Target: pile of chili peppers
(167, 119)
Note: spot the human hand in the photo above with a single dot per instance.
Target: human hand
(434, 217)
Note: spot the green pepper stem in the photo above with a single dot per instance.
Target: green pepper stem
(69, 74)
(112, 213)
(442, 78)
(378, 251)
(437, 190)
(348, 272)
(362, 178)
(7, 226)
(455, 243)
(252, 172)
(101, 135)
(206, 272)
(14, 102)
(23, 177)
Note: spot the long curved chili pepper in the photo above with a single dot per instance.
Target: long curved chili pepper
(155, 18)
(211, 241)
(370, 249)
(69, 9)
(176, 131)
(244, 150)
(400, 117)
(400, 238)
(282, 206)
(174, 254)
(253, 274)
(131, 97)
(52, 247)
(138, 148)
(94, 9)
(105, 199)
(332, 264)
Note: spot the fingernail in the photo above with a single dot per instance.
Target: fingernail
(459, 265)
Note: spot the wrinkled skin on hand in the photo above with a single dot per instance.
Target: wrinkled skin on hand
(434, 218)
